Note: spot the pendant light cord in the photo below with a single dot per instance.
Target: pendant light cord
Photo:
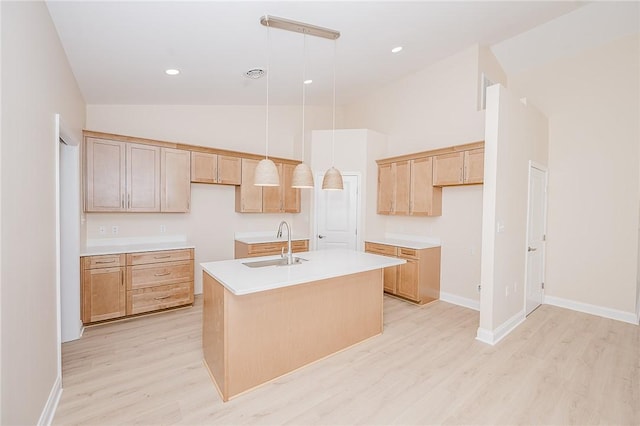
(266, 151)
(333, 134)
(304, 85)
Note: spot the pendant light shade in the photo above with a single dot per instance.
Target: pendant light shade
(266, 174)
(332, 179)
(302, 176)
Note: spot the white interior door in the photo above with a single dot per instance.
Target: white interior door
(536, 230)
(337, 215)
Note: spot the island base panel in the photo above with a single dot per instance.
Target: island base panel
(251, 339)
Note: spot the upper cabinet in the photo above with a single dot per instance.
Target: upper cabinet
(405, 189)
(129, 174)
(268, 199)
(121, 177)
(130, 177)
(410, 185)
(214, 168)
(459, 168)
(175, 188)
(394, 181)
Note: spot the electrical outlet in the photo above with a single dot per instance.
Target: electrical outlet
(506, 291)
(101, 229)
(515, 286)
(114, 229)
(163, 229)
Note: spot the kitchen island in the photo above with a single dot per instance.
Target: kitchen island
(260, 323)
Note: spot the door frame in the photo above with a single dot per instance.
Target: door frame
(545, 170)
(359, 211)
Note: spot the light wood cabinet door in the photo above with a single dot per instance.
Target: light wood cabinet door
(105, 178)
(408, 280)
(175, 181)
(474, 166)
(426, 200)
(229, 170)
(103, 294)
(448, 169)
(386, 187)
(248, 196)
(391, 279)
(272, 196)
(204, 167)
(143, 178)
(402, 187)
(291, 196)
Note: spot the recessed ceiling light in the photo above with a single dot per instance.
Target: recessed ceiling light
(172, 72)
(396, 49)
(308, 81)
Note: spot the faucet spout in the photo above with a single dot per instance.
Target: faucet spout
(279, 234)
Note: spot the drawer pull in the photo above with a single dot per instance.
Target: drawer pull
(106, 261)
(162, 274)
(162, 257)
(162, 297)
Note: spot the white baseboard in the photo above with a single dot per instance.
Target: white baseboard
(46, 417)
(493, 337)
(460, 301)
(600, 311)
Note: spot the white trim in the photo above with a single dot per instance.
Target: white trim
(638, 308)
(493, 337)
(56, 142)
(46, 417)
(600, 311)
(460, 301)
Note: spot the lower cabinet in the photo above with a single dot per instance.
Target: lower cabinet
(417, 280)
(135, 283)
(102, 287)
(243, 250)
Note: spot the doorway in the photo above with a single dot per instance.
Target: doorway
(536, 236)
(337, 215)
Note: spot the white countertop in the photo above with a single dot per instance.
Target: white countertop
(322, 264)
(134, 248)
(412, 244)
(257, 239)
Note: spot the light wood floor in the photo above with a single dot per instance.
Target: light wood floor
(559, 367)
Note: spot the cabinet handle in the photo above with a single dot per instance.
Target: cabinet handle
(162, 297)
(106, 261)
(162, 257)
(122, 277)
(162, 274)
(122, 200)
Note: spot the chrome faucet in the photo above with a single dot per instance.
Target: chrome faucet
(279, 235)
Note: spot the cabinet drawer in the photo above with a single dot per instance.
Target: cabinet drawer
(104, 261)
(143, 258)
(382, 249)
(300, 245)
(152, 275)
(161, 297)
(408, 253)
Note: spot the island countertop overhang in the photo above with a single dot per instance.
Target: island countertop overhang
(240, 279)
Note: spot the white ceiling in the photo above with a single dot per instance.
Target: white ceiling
(118, 50)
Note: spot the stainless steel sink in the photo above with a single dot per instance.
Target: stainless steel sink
(274, 262)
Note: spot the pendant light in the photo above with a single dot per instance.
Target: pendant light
(302, 175)
(332, 178)
(266, 173)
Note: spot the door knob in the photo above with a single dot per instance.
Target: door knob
(532, 249)
(320, 236)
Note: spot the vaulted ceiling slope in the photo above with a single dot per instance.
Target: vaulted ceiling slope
(119, 50)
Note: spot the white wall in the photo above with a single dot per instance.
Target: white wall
(515, 134)
(593, 103)
(37, 83)
(212, 221)
(433, 108)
